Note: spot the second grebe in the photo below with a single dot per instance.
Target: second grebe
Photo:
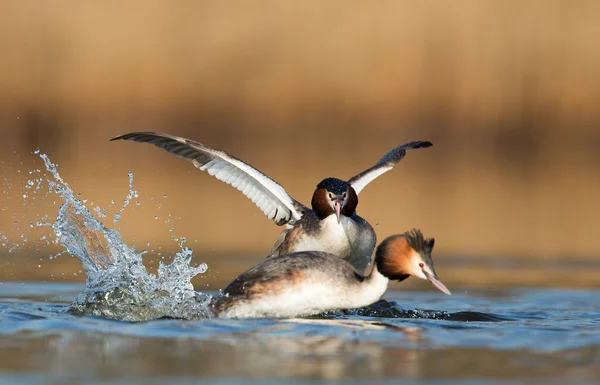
(312, 282)
(331, 226)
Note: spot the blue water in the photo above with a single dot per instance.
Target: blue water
(531, 334)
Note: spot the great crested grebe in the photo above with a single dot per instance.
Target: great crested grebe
(331, 226)
(312, 282)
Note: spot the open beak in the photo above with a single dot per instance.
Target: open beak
(437, 283)
(337, 206)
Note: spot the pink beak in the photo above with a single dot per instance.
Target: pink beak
(437, 283)
(337, 206)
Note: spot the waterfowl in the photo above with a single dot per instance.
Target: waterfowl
(312, 282)
(331, 224)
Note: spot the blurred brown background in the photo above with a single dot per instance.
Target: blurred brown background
(508, 92)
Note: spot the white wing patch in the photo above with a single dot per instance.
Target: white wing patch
(264, 192)
(385, 164)
(360, 183)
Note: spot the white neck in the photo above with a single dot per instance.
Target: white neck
(372, 288)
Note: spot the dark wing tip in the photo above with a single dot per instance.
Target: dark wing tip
(136, 136)
(395, 155)
(117, 138)
(424, 144)
(417, 144)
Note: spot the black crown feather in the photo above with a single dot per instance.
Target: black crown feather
(421, 245)
(334, 185)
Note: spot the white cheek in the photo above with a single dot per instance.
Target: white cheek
(418, 270)
(419, 273)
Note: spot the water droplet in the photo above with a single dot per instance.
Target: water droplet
(165, 196)
(37, 150)
(167, 293)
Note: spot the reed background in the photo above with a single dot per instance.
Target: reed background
(508, 92)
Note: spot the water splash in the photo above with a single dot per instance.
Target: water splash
(387, 309)
(392, 309)
(130, 195)
(118, 285)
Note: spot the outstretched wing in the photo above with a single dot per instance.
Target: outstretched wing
(269, 196)
(385, 164)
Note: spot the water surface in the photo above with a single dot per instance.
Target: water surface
(538, 335)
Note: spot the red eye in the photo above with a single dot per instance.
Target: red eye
(421, 265)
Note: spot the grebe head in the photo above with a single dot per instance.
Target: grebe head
(403, 255)
(334, 196)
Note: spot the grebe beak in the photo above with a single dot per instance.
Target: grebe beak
(337, 206)
(437, 283)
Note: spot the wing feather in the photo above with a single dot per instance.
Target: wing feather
(267, 194)
(385, 164)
